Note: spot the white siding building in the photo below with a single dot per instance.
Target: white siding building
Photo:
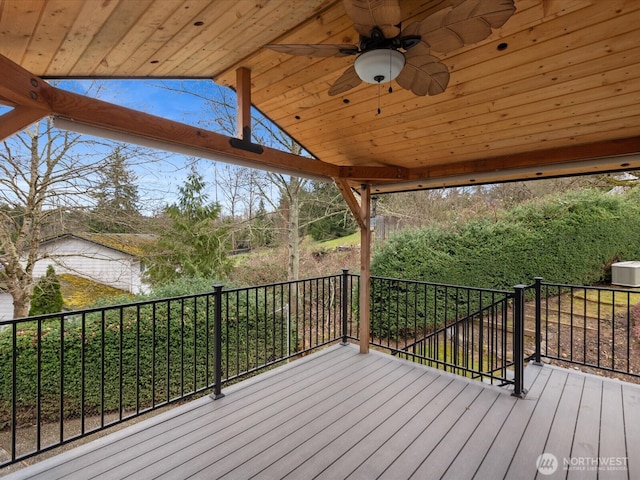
(105, 259)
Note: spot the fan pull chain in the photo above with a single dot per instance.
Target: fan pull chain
(390, 65)
(379, 110)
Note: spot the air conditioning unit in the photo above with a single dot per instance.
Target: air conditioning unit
(626, 274)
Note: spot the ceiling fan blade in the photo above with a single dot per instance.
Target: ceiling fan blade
(366, 14)
(423, 74)
(348, 80)
(468, 22)
(313, 50)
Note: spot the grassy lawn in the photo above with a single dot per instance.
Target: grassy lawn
(348, 241)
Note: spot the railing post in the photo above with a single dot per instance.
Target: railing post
(538, 292)
(518, 342)
(217, 342)
(345, 304)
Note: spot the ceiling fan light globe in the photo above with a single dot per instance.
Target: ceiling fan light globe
(380, 65)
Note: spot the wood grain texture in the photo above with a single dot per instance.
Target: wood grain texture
(559, 75)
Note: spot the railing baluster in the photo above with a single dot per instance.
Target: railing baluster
(538, 319)
(39, 386)
(217, 342)
(344, 283)
(14, 391)
(518, 341)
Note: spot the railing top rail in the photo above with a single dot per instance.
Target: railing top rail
(142, 303)
(421, 282)
(588, 287)
(85, 311)
(285, 282)
(458, 321)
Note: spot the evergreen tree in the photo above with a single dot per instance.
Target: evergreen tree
(192, 244)
(47, 296)
(116, 196)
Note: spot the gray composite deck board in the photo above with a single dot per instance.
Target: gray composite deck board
(339, 414)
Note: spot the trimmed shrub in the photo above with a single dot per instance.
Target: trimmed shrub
(46, 296)
(572, 239)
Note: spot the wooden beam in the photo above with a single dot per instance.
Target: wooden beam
(351, 200)
(365, 268)
(243, 97)
(114, 119)
(20, 87)
(366, 174)
(18, 119)
(540, 159)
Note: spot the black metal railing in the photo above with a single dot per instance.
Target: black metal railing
(596, 327)
(65, 376)
(468, 331)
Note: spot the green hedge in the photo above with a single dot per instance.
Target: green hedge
(121, 353)
(572, 238)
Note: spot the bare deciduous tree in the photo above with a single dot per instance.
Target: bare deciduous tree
(48, 179)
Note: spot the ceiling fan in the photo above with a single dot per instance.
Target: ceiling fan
(386, 51)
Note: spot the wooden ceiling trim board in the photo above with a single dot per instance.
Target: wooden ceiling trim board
(17, 17)
(584, 135)
(79, 35)
(121, 20)
(18, 119)
(561, 170)
(139, 47)
(262, 25)
(609, 86)
(575, 110)
(487, 98)
(192, 44)
(512, 69)
(509, 75)
(50, 33)
(607, 120)
(198, 51)
(542, 158)
(263, 60)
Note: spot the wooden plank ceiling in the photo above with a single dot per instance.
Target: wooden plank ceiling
(555, 91)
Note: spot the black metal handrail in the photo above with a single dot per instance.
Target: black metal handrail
(75, 373)
(469, 331)
(70, 374)
(595, 327)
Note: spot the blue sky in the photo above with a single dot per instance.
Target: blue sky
(158, 182)
(166, 99)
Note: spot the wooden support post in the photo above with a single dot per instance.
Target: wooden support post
(243, 96)
(365, 267)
